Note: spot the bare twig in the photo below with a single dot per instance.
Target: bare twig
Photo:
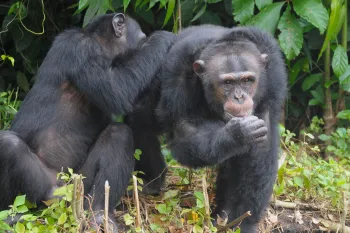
(236, 221)
(292, 205)
(345, 212)
(136, 196)
(107, 188)
(334, 226)
(206, 199)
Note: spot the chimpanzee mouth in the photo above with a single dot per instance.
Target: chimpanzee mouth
(228, 116)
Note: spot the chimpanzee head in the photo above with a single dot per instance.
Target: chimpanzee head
(116, 33)
(230, 73)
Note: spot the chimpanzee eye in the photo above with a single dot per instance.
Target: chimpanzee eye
(228, 81)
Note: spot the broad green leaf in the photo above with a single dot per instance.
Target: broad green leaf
(104, 6)
(299, 181)
(170, 194)
(344, 79)
(340, 61)
(200, 13)
(20, 200)
(126, 4)
(336, 20)
(62, 219)
(12, 60)
(91, 12)
(4, 226)
(197, 229)
(22, 81)
(313, 102)
(137, 154)
(83, 4)
(20, 228)
(169, 11)
(311, 80)
(301, 65)
(152, 3)
(13, 8)
(267, 19)
(4, 214)
(22, 209)
(137, 4)
(186, 10)
(291, 37)
(318, 95)
(163, 209)
(213, 1)
(324, 137)
(313, 11)
(262, 3)
(242, 10)
(345, 114)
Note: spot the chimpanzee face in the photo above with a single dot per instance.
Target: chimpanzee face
(230, 78)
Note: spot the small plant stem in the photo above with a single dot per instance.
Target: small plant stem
(328, 111)
(136, 196)
(206, 200)
(341, 101)
(345, 212)
(236, 221)
(107, 188)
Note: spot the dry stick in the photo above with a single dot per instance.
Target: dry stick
(334, 226)
(107, 187)
(74, 198)
(345, 212)
(234, 222)
(292, 205)
(206, 200)
(136, 196)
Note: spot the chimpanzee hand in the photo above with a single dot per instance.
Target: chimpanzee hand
(251, 130)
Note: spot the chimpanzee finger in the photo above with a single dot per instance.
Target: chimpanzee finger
(256, 124)
(260, 132)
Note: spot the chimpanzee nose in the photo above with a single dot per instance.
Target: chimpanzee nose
(238, 94)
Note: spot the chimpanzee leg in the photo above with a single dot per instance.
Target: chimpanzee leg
(245, 184)
(111, 158)
(22, 172)
(151, 160)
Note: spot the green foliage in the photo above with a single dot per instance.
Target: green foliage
(304, 177)
(9, 105)
(340, 145)
(57, 217)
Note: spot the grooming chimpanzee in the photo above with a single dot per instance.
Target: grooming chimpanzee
(221, 96)
(65, 120)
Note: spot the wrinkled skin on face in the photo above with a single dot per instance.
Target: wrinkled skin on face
(230, 77)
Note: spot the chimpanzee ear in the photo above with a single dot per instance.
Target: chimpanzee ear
(118, 24)
(198, 66)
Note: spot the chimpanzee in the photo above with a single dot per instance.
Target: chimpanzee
(220, 103)
(65, 120)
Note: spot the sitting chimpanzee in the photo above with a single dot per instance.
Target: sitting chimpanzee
(221, 96)
(65, 120)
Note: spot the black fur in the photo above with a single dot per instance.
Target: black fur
(200, 136)
(65, 120)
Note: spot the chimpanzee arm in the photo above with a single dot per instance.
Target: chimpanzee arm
(203, 142)
(115, 88)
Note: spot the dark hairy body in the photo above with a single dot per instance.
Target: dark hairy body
(65, 120)
(221, 95)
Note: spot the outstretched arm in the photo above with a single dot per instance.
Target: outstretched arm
(115, 88)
